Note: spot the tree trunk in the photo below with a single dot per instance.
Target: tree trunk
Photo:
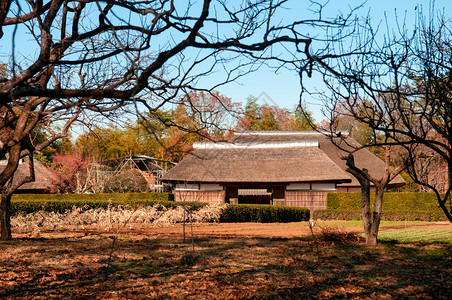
(371, 239)
(5, 217)
(443, 200)
(371, 221)
(378, 205)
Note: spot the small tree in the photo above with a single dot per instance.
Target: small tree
(71, 172)
(371, 217)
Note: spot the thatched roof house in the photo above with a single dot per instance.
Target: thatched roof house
(277, 162)
(293, 168)
(44, 178)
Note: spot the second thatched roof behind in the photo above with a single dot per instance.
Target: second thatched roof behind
(44, 178)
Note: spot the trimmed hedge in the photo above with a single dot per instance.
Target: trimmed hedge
(349, 215)
(391, 201)
(400, 206)
(264, 213)
(93, 197)
(28, 203)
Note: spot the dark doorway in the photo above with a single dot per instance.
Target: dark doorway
(255, 196)
(255, 199)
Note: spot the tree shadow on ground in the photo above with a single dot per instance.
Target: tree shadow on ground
(223, 267)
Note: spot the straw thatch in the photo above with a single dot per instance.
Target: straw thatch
(363, 158)
(44, 178)
(277, 163)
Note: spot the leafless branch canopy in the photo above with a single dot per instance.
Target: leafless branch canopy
(72, 58)
(398, 88)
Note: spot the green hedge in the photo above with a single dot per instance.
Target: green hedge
(125, 197)
(264, 213)
(416, 205)
(333, 214)
(59, 203)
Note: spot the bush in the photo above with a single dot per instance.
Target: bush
(391, 201)
(155, 215)
(129, 181)
(92, 197)
(264, 213)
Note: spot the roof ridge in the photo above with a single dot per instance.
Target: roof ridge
(288, 132)
(256, 145)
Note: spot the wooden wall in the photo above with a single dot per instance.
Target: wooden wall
(309, 199)
(303, 198)
(199, 196)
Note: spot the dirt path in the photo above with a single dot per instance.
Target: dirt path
(266, 230)
(272, 230)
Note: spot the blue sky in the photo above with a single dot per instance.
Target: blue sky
(282, 88)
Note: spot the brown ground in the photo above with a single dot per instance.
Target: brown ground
(264, 230)
(231, 261)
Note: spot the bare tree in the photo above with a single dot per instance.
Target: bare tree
(112, 57)
(399, 87)
(372, 217)
(375, 180)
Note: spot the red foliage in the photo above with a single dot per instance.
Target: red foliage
(70, 170)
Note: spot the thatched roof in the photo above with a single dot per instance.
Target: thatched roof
(363, 158)
(44, 178)
(256, 162)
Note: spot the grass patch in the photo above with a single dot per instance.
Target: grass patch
(434, 235)
(382, 224)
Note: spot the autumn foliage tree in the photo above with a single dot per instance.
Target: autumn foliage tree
(71, 172)
(198, 116)
(166, 134)
(270, 117)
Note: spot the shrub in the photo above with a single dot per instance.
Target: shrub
(129, 181)
(92, 197)
(264, 213)
(80, 216)
(391, 201)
